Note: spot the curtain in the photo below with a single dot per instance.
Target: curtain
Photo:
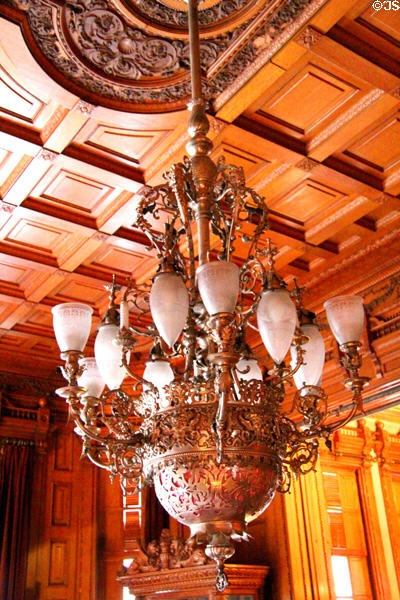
(15, 490)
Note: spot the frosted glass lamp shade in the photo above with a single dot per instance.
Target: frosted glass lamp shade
(109, 356)
(314, 357)
(169, 305)
(276, 318)
(345, 317)
(254, 371)
(91, 378)
(72, 322)
(158, 372)
(218, 284)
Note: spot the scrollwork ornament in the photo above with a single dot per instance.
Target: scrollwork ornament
(118, 62)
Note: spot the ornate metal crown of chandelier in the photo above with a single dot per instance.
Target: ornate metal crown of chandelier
(208, 429)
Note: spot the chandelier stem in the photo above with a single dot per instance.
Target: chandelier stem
(194, 44)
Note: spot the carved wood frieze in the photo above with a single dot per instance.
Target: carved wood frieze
(166, 553)
(135, 53)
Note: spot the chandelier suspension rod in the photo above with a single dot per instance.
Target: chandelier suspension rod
(194, 46)
(199, 146)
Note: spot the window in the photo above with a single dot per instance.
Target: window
(349, 551)
(125, 594)
(341, 577)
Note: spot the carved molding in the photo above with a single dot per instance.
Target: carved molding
(20, 425)
(336, 216)
(349, 260)
(395, 92)
(370, 98)
(308, 37)
(278, 32)
(47, 155)
(103, 56)
(7, 208)
(307, 164)
(85, 108)
(160, 14)
(190, 580)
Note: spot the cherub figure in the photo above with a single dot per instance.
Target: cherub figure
(176, 550)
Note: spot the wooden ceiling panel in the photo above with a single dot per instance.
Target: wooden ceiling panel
(113, 258)
(234, 155)
(316, 131)
(39, 318)
(307, 99)
(380, 148)
(384, 21)
(12, 274)
(11, 341)
(37, 236)
(8, 308)
(306, 200)
(129, 144)
(46, 239)
(17, 101)
(74, 190)
(79, 289)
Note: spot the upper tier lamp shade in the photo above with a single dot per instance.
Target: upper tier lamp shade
(72, 322)
(314, 357)
(345, 317)
(160, 374)
(169, 305)
(276, 318)
(91, 378)
(218, 284)
(109, 356)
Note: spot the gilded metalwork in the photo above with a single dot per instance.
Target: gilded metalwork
(215, 445)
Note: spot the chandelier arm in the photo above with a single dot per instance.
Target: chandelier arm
(87, 432)
(139, 379)
(95, 438)
(176, 178)
(262, 225)
(110, 457)
(149, 332)
(306, 406)
(87, 451)
(357, 407)
(233, 222)
(282, 373)
(258, 267)
(237, 381)
(252, 326)
(288, 374)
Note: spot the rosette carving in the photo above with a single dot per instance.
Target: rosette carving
(145, 62)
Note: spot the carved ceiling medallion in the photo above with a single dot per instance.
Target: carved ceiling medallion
(134, 54)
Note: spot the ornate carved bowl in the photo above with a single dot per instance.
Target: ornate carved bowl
(181, 459)
(209, 497)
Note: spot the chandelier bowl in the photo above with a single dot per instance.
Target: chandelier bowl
(180, 457)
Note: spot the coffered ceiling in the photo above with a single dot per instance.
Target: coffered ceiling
(304, 95)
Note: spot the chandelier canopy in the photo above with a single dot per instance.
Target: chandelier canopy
(208, 429)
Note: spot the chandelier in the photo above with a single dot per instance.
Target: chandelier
(208, 428)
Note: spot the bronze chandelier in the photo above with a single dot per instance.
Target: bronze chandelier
(208, 429)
